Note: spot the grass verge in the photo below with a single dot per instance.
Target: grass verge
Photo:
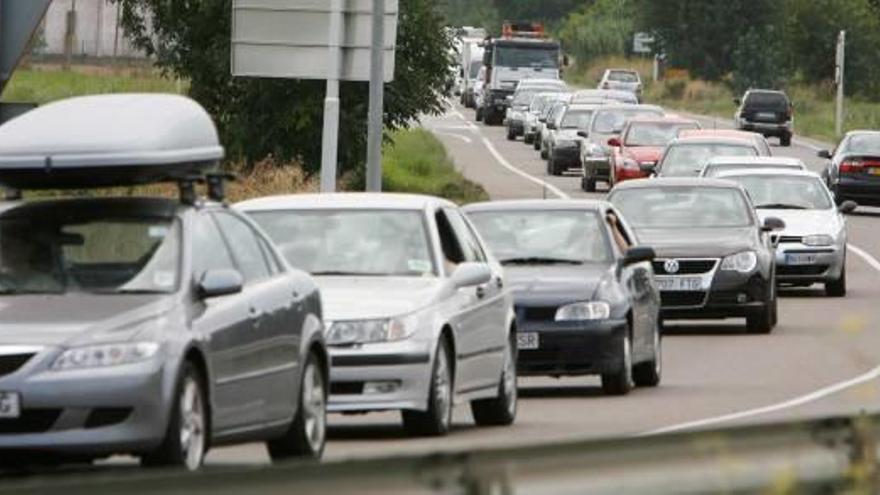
(417, 162)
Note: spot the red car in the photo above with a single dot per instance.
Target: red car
(640, 145)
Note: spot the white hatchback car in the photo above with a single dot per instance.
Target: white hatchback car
(418, 317)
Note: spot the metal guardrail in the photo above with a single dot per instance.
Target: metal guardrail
(827, 456)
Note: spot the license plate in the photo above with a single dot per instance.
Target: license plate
(679, 283)
(874, 170)
(765, 115)
(800, 259)
(10, 405)
(529, 340)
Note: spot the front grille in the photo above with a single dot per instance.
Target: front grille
(794, 270)
(30, 421)
(10, 364)
(545, 313)
(791, 239)
(685, 267)
(677, 298)
(107, 416)
(346, 388)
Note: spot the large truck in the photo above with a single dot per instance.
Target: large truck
(523, 51)
(471, 62)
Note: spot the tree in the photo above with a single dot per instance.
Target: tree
(757, 59)
(258, 117)
(603, 28)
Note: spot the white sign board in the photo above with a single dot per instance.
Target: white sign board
(290, 39)
(643, 43)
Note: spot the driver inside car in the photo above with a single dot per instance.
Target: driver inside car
(25, 265)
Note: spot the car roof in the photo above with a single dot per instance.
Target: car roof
(622, 70)
(584, 106)
(756, 160)
(667, 119)
(713, 140)
(720, 133)
(767, 91)
(382, 201)
(770, 171)
(675, 182)
(633, 106)
(542, 81)
(862, 131)
(538, 204)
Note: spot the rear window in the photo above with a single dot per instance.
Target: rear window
(620, 76)
(774, 100)
(868, 144)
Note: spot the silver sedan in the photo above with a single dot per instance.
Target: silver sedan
(418, 314)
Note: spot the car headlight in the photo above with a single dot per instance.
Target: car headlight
(368, 331)
(584, 311)
(818, 240)
(100, 356)
(743, 262)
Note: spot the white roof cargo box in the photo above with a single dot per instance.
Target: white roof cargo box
(108, 140)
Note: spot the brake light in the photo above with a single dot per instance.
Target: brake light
(851, 166)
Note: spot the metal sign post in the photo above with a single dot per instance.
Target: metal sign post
(377, 103)
(330, 143)
(839, 73)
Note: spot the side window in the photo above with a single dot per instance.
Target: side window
(245, 247)
(469, 244)
(209, 248)
(274, 265)
(622, 239)
(452, 251)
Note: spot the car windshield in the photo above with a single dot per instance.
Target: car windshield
(352, 242)
(654, 133)
(566, 236)
(785, 192)
(525, 56)
(684, 207)
(65, 250)
(687, 160)
(623, 76)
(577, 119)
(613, 121)
(867, 144)
(476, 65)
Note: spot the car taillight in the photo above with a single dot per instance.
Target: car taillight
(851, 166)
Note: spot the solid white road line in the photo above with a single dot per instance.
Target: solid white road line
(452, 135)
(872, 374)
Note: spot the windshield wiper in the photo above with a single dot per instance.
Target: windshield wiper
(332, 273)
(537, 260)
(781, 206)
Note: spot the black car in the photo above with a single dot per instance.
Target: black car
(586, 302)
(715, 259)
(853, 172)
(766, 112)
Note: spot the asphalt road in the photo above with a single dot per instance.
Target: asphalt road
(823, 358)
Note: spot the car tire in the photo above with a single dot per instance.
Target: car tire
(501, 410)
(528, 138)
(763, 320)
(188, 434)
(511, 136)
(544, 151)
(307, 434)
(536, 143)
(437, 419)
(837, 288)
(785, 140)
(478, 114)
(649, 373)
(553, 167)
(621, 382)
(588, 184)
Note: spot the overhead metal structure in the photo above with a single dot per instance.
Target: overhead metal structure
(18, 22)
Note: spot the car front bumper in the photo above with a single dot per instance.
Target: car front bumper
(378, 377)
(729, 296)
(828, 264)
(572, 348)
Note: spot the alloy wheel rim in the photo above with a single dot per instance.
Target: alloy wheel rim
(192, 425)
(314, 407)
(658, 353)
(442, 392)
(509, 380)
(627, 361)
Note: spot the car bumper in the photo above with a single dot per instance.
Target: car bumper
(569, 155)
(95, 412)
(828, 264)
(517, 128)
(730, 296)
(377, 377)
(599, 167)
(865, 192)
(572, 348)
(767, 129)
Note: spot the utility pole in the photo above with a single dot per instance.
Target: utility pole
(330, 144)
(377, 97)
(839, 80)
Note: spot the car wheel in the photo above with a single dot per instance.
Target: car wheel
(588, 184)
(553, 167)
(837, 288)
(436, 420)
(536, 142)
(785, 140)
(510, 134)
(479, 114)
(544, 151)
(527, 138)
(186, 439)
(502, 409)
(621, 381)
(308, 433)
(648, 374)
(762, 321)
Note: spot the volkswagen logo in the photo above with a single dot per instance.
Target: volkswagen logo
(671, 266)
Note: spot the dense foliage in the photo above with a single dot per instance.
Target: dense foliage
(280, 117)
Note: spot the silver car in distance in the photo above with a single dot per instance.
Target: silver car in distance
(417, 313)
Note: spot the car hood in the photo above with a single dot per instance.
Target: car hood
(692, 242)
(60, 320)
(804, 222)
(540, 284)
(357, 298)
(644, 153)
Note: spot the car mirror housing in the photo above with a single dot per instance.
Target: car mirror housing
(638, 254)
(220, 282)
(824, 154)
(615, 142)
(847, 207)
(772, 224)
(583, 134)
(471, 275)
(737, 101)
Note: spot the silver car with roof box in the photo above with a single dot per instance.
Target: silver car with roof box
(145, 326)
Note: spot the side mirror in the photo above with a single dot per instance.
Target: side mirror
(826, 154)
(847, 207)
(737, 101)
(614, 142)
(471, 275)
(638, 254)
(583, 134)
(772, 224)
(222, 282)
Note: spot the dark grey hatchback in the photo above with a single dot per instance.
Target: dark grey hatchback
(585, 297)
